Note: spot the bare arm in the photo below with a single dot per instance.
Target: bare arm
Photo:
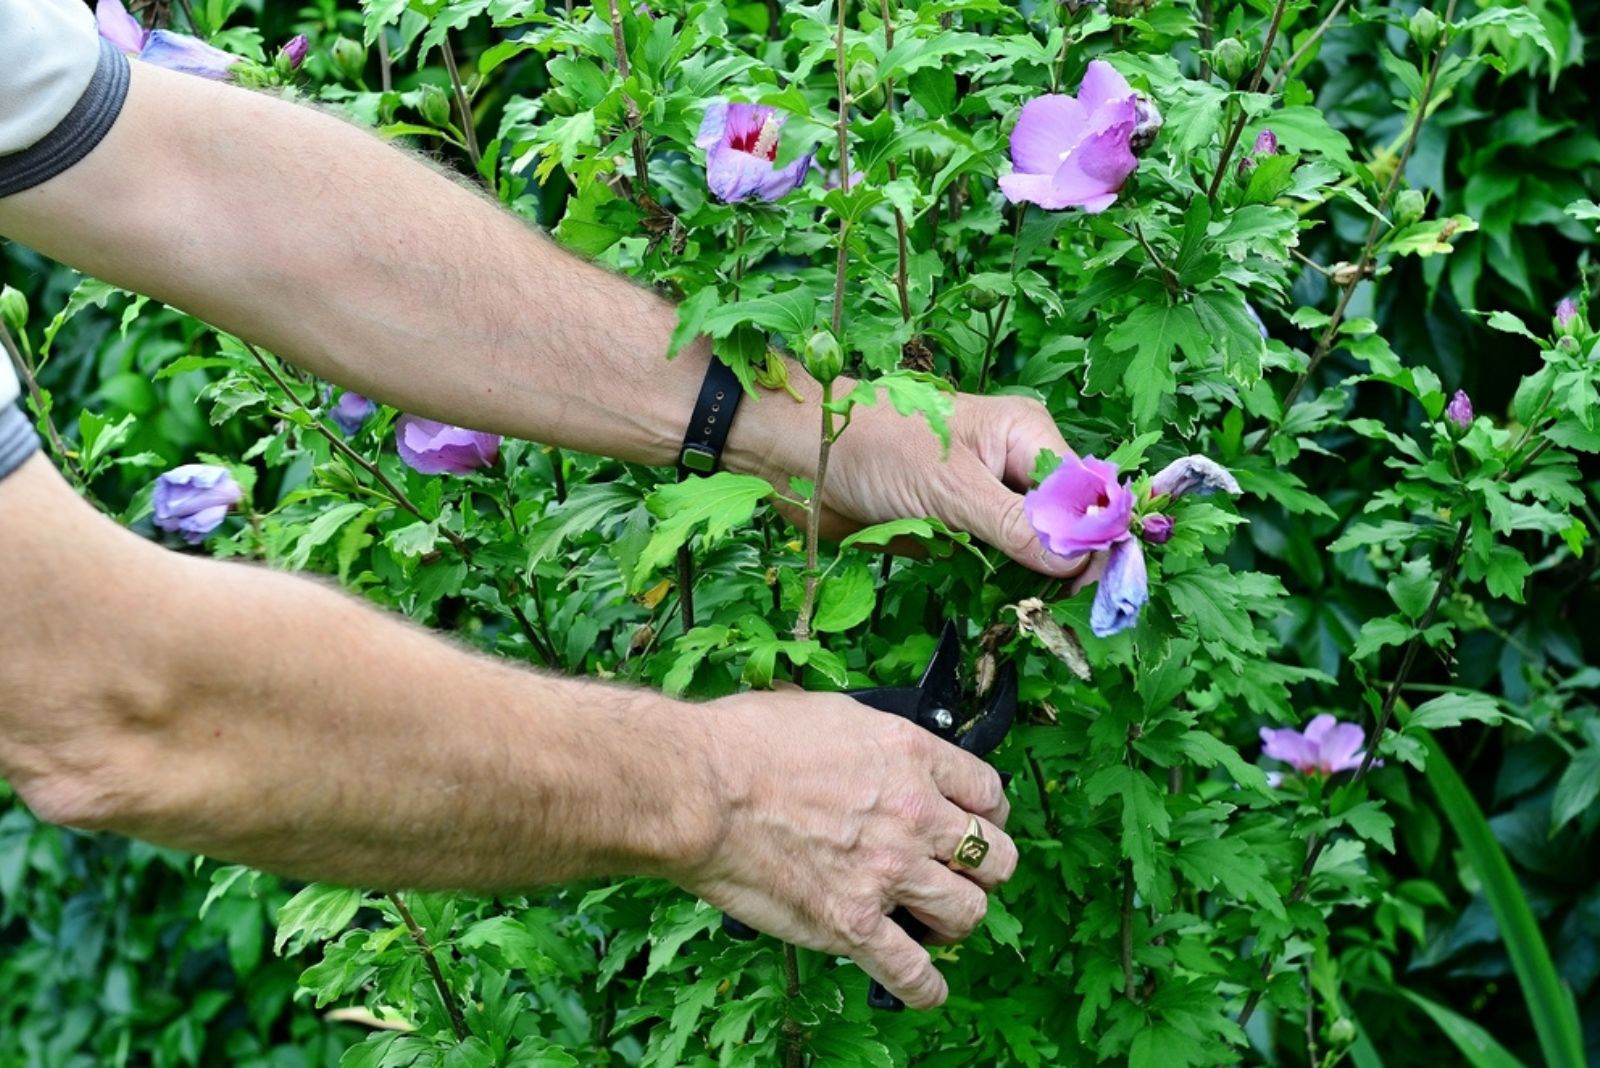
(347, 256)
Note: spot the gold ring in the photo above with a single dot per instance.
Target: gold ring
(971, 850)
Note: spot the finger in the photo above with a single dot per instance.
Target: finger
(1032, 430)
(985, 507)
(896, 960)
(997, 865)
(951, 907)
(971, 784)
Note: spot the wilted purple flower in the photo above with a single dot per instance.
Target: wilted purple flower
(741, 143)
(1080, 507)
(1156, 528)
(351, 412)
(441, 449)
(1193, 474)
(1325, 747)
(193, 500)
(163, 48)
(1124, 588)
(1075, 151)
(1459, 410)
(1147, 123)
(1266, 143)
(294, 53)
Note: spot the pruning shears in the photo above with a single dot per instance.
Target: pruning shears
(938, 705)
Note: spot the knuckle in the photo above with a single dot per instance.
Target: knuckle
(895, 867)
(974, 908)
(915, 809)
(857, 922)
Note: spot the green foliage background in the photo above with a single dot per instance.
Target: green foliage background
(1455, 916)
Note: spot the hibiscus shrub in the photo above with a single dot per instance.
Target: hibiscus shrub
(1241, 727)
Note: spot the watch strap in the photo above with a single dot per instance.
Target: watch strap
(720, 393)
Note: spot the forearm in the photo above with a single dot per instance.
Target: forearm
(367, 267)
(262, 718)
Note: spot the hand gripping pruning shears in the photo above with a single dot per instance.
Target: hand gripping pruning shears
(937, 704)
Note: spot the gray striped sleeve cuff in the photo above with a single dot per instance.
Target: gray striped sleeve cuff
(85, 125)
(18, 440)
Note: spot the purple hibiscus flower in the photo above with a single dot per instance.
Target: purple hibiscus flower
(1325, 747)
(174, 51)
(193, 500)
(1076, 151)
(1459, 410)
(741, 143)
(441, 449)
(1080, 508)
(294, 53)
(351, 412)
(1193, 474)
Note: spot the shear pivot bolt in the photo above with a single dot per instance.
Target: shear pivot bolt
(943, 719)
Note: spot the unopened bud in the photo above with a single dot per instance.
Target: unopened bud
(1425, 28)
(1146, 124)
(13, 309)
(1459, 410)
(774, 374)
(1266, 144)
(1156, 528)
(434, 103)
(291, 55)
(350, 58)
(982, 298)
(1568, 322)
(1409, 206)
(866, 91)
(824, 358)
(1230, 58)
(1342, 1031)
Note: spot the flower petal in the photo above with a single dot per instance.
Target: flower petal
(785, 180)
(1123, 591)
(1033, 189)
(187, 55)
(119, 27)
(434, 448)
(1048, 126)
(1290, 746)
(1101, 85)
(733, 175)
(1341, 748)
(712, 125)
(1193, 474)
(1097, 170)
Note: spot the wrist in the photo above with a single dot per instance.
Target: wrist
(689, 818)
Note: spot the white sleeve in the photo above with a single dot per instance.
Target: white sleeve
(48, 53)
(9, 390)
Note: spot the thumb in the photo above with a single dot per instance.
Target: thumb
(995, 514)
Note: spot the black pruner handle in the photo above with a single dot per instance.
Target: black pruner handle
(734, 929)
(878, 996)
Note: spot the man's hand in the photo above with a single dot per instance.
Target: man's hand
(836, 814)
(886, 466)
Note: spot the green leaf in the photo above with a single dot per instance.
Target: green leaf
(588, 506)
(911, 393)
(846, 599)
(322, 530)
(1412, 586)
(1478, 1047)
(315, 914)
(1555, 1017)
(718, 502)
(1454, 709)
(1155, 332)
(1577, 789)
(1511, 324)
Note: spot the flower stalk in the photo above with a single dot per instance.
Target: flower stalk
(641, 164)
(469, 126)
(458, 1023)
(1243, 118)
(30, 381)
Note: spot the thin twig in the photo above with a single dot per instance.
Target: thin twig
(902, 247)
(1311, 1022)
(641, 160)
(1207, 38)
(1305, 46)
(25, 372)
(469, 123)
(1169, 279)
(385, 64)
(1255, 83)
(458, 1023)
(1365, 262)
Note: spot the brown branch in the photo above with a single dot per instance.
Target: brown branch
(385, 64)
(1255, 83)
(458, 1023)
(469, 123)
(641, 161)
(25, 371)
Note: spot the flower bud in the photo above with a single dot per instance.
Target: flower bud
(350, 58)
(560, 101)
(291, 55)
(824, 358)
(1411, 205)
(1230, 58)
(982, 298)
(1425, 28)
(1568, 322)
(866, 91)
(1459, 410)
(1156, 528)
(1146, 124)
(13, 309)
(434, 103)
(774, 374)
(193, 500)
(1342, 1031)
(1266, 144)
